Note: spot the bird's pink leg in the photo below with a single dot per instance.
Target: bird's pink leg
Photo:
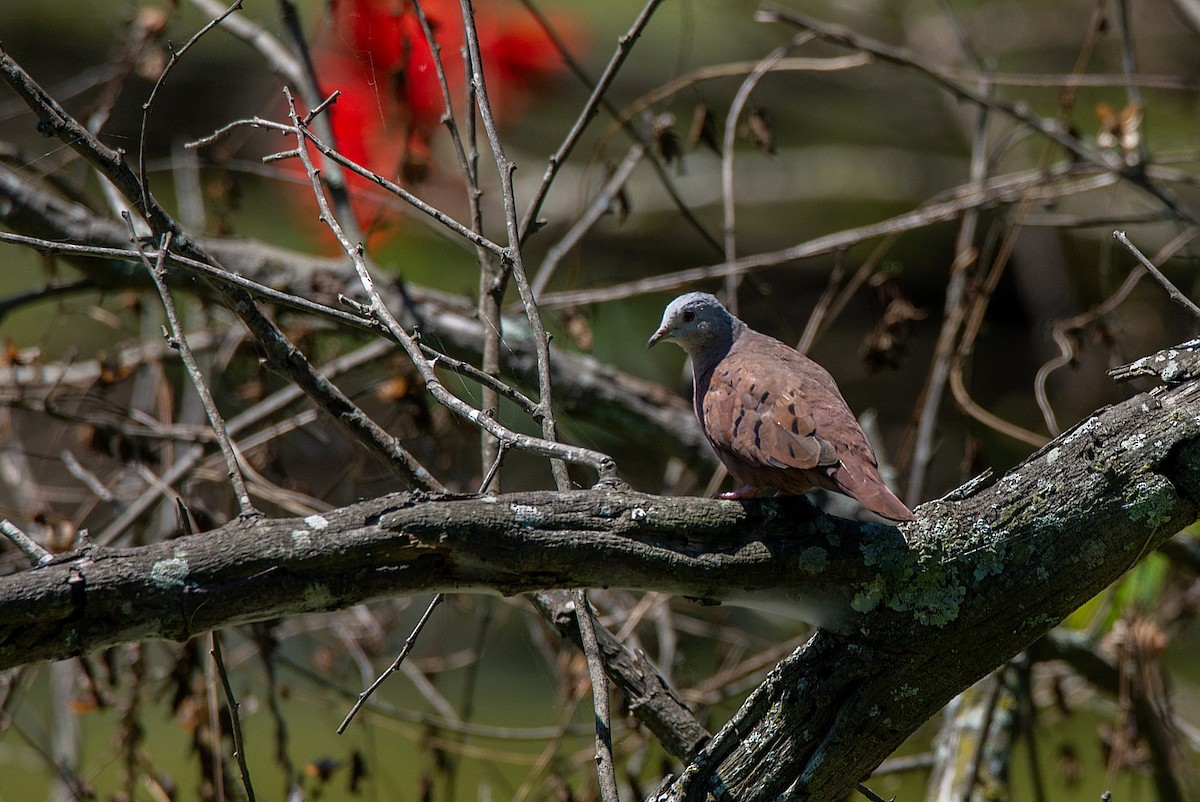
(749, 491)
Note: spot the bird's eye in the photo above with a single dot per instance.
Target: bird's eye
(688, 317)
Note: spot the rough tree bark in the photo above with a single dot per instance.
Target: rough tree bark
(987, 570)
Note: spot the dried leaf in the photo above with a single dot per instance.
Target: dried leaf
(704, 129)
(758, 128)
(666, 138)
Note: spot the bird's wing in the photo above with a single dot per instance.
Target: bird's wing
(766, 411)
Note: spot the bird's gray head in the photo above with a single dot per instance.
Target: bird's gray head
(697, 323)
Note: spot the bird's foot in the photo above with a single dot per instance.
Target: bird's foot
(742, 492)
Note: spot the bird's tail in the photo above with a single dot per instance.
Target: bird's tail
(870, 491)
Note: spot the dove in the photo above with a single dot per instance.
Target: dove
(775, 418)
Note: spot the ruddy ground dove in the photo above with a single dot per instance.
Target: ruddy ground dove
(775, 418)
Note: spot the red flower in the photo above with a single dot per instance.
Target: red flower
(391, 105)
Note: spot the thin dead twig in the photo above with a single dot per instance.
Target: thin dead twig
(1063, 329)
(1004, 189)
(531, 224)
(740, 98)
(492, 277)
(178, 340)
(404, 651)
(624, 47)
(965, 255)
(239, 748)
(333, 155)
(605, 769)
(176, 55)
(599, 206)
(28, 546)
(601, 463)
(1172, 291)
(972, 323)
(513, 262)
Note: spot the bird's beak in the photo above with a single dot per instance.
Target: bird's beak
(656, 336)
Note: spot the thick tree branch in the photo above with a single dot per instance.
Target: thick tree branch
(989, 570)
(1007, 563)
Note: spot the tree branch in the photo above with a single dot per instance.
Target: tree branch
(989, 570)
(585, 387)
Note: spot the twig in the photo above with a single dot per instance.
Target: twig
(650, 698)
(864, 272)
(1129, 65)
(89, 479)
(28, 546)
(474, 237)
(408, 647)
(1004, 189)
(297, 70)
(14, 302)
(1063, 329)
(282, 354)
(177, 339)
(260, 291)
(435, 50)
(1097, 79)
(429, 721)
(624, 123)
(591, 650)
(624, 47)
(143, 179)
(239, 749)
(971, 326)
(513, 259)
(268, 646)
(326, 150)
(601, 463)
(1172, 291)
(466, 369)
(734, 69)
(809, 335)
(493, 469)
(965, 257)
(309, 86)
(871, 795)
(492, 271)
(740, 99)
(599, 206)
(1053, 130)
(216, 753)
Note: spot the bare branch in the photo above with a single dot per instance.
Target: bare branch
(395, 666)
(1036, 184)
(1172, 291)
(28, 546)
(605, 768)
(178, 340)
(239, 748)
(514, 263)
(624, 46)
(176, 55)
(601, 463)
